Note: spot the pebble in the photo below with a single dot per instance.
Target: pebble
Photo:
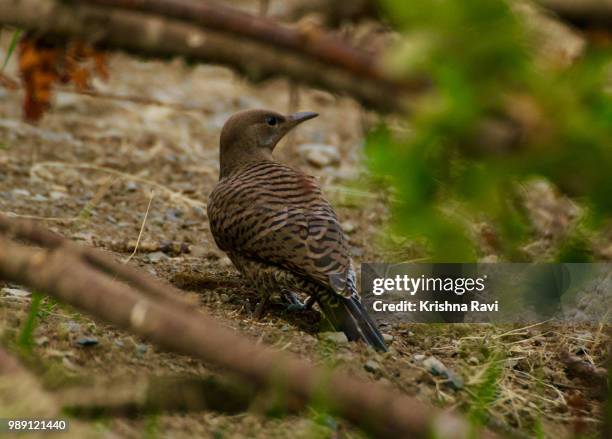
(348, 227)
(157, 256)
(41, 341)
(224, 261)
(336, 337)
(39, 198)
(436, 367)
(72, 326)
(141, 349)
(319, 155)
(131, 186)
(20, 193)
(388, 338)
(87, 341)
(199, 211)
(173, 214)
(57, 195)
(371, 366)
(15, 292)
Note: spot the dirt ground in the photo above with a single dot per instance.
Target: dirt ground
(90, 169)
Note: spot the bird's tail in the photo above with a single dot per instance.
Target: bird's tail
(348, 315)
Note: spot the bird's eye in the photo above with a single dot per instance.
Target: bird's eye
(271, 121)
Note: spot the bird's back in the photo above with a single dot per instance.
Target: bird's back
(270, 212)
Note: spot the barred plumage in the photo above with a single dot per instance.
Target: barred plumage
(278, 229)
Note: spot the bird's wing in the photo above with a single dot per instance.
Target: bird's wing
(281, 217)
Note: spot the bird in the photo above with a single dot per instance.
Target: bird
(277, 228)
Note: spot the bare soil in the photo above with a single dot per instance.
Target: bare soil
(90, 168)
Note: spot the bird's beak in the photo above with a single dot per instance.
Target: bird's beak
(297, 118)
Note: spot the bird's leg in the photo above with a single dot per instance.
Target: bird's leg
(262, 306)
(295, 304)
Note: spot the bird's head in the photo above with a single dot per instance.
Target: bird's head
(251, 135)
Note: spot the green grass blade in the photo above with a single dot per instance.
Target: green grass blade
(26, 336)
(11, 49)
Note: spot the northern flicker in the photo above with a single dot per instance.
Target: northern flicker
(277, 228)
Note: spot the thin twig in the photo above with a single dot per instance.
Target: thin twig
(144, 221)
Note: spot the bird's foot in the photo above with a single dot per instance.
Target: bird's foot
(295, 304)
(296, 307)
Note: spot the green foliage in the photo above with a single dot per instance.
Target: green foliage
(11, 49)
(26, 336)
(483, 394)
(447, 172)
(538, 432)
(151, 427)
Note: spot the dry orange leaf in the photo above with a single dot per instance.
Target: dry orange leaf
(42, 63)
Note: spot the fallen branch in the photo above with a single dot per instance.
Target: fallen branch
(29, 232)
(314, 43)
(582, 12)
(156, 394)
(334, 12)
(156, 36)
(376, 409)
(22, 396)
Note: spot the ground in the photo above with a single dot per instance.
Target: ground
(95, 167)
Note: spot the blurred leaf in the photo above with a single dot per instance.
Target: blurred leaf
(496, 118)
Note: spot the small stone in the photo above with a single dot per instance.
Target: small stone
(41, 341)
(15, 292)
(224, 261)
(348, 227)
(199, 211)
(69, 364)
(388, 338)
(372, 366)
(20, 193)
(131, 186)
(141, 349)
(39, 198)
(436, 367)
(72, 326)
(319, 155)
(173, 214)
(57, 195)
(335, 337)
(87, 341)
(157, 256)
(473, 361)
(455, 380)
